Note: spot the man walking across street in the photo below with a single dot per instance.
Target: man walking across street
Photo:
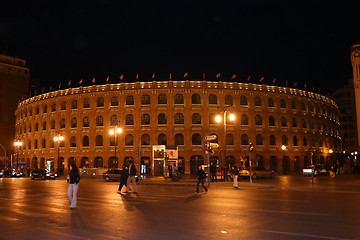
(131, 178)
(235, 172)
(124, 177)
(201, 175)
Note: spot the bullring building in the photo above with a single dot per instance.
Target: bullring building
(288, 127)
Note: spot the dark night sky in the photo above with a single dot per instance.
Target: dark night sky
(303, 41)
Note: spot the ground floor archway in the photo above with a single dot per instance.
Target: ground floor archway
(195, 161)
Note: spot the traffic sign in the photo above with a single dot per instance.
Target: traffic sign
(210, 137)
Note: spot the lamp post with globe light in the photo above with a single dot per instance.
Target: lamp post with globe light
(58, 139)
(114, 131)
(218, 119)
(17, 145)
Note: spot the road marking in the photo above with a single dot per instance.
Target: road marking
(303, 235)
(288, 212)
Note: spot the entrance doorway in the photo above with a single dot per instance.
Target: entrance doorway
(158, 167)
(195, 161)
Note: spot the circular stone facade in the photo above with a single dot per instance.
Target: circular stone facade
(180, 114)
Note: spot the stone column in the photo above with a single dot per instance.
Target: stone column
(355, 60)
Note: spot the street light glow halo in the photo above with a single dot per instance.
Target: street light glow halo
(232, 117)
(119, 130)
(218, 118)
(61, 138)
(111, 131)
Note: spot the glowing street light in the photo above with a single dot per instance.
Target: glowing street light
(331, 151)
(17, 145)
(114, 131)
(58, 139)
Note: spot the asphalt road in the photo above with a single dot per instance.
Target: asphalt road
(288, 207)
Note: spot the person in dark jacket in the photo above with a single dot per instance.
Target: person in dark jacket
(235, 173)
(124, 177)
(73, 179)
(213, 172)
(132, 177)
(201, 175)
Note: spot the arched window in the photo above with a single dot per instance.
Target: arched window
(304, 123)
(99, 121)
(30, 112)
(73, 141)
(294, 122)
(244, 139)
(271, 121)
(62, 123)
(179, 118)
(295, 141)
(258, 101)
(114, 101)
(29, 144)
(86, 103)
(228, 100)
(53, 107)
(196, 139)
(229, 139)
(85, 141)
(283, 122)
(129, 140)
(145, 119)
(36, 127)
(129, 100)
(45, 109)
(282, 103)
(74, 104)
(145, 99)
(195, 99)
(162, 139)
(271, 102)
(162, 119)
(145, 140)
(312, 125)
(303, 106)
(196, 118)
(212, 99)
(35, 144)
(98, 140)
(212, 118)
(311, 107)
(259, 140)
(114, 120)
(244, 120)
(179, 139)
(243, 100)
(73, 123)
(62, 107)
(100, 102)
(179, 99)
(320, 142)
(293, 104)
(43, 126)
(272, 140)
(162, 99)
(86, 122)
(52, 125)
(30, 127)
(43, 143)
(129, 119)
(37, 110)
(285, 140)
(258, 120)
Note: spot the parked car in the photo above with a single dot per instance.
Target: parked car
(257, 172)
(112, 175)
(42, 174)
(16, 174)
(315, 171)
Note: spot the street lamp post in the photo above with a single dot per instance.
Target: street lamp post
(283, 148)
(58, 139)
(218, 119)
(17, 145)
(114, 131)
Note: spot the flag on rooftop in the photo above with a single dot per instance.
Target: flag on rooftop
(261, 80)
(107, 79)
(137, 76)
(274, 80)
(218, 76)
(203, 76)
(69, 83)
(121, 77)
(295, 84)
(153, 76)
(233, 77)
(170, 76)
(248, 78)
(59, 85)
(185, 75)
(93, 80)
(81, 81)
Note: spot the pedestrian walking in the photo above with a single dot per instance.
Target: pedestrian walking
(201, 175)
(73, 179)
(124, 177)
(235, 172)
(213, 172)
(132, 178)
